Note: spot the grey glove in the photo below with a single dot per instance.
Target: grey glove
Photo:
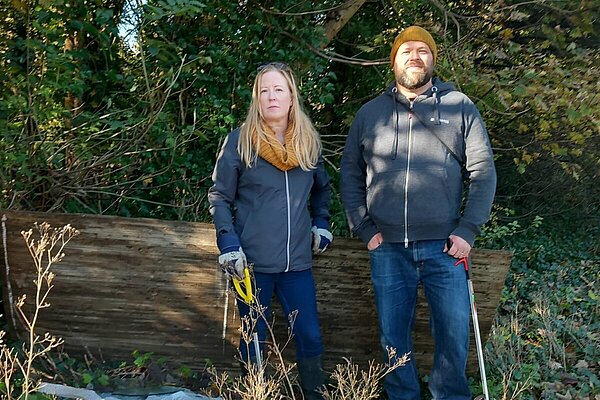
(233, 263)
(321, 239)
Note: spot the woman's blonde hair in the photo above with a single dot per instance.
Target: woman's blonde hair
(305, 139)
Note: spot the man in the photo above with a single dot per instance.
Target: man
(417, 182)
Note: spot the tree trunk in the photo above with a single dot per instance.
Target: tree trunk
(338, 18)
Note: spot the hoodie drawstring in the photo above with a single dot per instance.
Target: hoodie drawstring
(396, 136)
(436, 109)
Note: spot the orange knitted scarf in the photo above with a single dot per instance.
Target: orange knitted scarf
(282, 157)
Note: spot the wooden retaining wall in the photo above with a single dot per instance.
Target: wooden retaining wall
(143, 284)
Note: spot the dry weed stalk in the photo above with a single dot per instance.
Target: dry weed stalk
(45, 251)
(519, 387)
(255, 383)
(279, 384)
(254, 386)
(548, 332)
(354, 384)
(7, 368)
(275, 350)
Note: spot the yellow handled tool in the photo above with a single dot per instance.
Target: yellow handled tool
(244, 287)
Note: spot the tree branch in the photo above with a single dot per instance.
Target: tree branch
(335, 56)
(338, 18)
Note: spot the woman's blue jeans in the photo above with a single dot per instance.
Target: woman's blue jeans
(396, 272)
(296, 293)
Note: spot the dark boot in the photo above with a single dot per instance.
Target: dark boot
(310, 371)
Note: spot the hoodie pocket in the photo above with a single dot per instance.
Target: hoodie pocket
(429, 197)
(385, 197)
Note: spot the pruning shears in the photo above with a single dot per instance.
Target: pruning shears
(243, 287)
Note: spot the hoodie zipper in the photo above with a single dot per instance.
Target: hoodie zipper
(406, 178)
(287, 245)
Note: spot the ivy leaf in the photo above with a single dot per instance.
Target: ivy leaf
(87, 378)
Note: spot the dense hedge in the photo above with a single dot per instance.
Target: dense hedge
(92, 120)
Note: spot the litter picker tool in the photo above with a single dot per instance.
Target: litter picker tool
(465, 261)
(226, 308)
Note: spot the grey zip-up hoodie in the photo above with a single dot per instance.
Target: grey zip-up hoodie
(266, 210)
(406, 163)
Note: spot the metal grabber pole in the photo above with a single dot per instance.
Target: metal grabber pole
(486, 395)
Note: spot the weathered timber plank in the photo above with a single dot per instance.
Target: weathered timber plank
(149, 285)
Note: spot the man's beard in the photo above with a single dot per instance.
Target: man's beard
(413, 80)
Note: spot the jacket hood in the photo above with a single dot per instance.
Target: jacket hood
(435, 92)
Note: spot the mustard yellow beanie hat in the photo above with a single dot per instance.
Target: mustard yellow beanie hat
(413, 33)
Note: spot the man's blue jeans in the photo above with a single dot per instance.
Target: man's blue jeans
(296, 293)
(396, 272)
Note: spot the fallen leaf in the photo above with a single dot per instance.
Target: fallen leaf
(554, 365)
(568, 379)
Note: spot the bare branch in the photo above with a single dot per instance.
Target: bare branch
(334, 56)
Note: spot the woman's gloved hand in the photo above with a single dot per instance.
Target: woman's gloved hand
(321, 236)
(233, 262)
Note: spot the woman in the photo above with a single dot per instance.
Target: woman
(269, 185)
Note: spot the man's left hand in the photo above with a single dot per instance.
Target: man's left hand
(459, 248)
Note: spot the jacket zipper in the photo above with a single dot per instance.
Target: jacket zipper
(287, 198)
(410, 115)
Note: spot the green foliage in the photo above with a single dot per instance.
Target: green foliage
(95, 379)
(502, 227)
(91, 124)
(536, 84)
(141, 359)
(101, 128)
(544, 344)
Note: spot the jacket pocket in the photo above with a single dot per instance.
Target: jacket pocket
(385, 197)
(430, 197)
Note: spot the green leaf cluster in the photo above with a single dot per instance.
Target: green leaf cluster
(544, 342)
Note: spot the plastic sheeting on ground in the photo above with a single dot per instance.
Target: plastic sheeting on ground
(163, 393)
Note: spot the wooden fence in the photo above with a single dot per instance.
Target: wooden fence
(154, 286)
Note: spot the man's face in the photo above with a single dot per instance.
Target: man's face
(413, 65)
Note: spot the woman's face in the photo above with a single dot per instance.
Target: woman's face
(275, 98)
